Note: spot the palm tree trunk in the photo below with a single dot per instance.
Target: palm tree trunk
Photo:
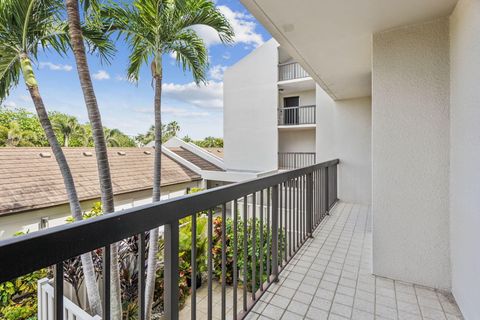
(157, 175)
(76, 38)
(87, 261)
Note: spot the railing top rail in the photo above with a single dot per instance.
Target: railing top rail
(291, 152)
(298, 107)
(288, 63)
(24, 254)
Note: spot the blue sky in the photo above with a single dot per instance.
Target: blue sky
(198, 110)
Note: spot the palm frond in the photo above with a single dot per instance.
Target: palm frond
(191, 54)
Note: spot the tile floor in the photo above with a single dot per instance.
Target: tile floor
(330, 278)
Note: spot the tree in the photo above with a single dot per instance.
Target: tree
(80, 53)
(152, 29)
(67, 126)
(27, 26)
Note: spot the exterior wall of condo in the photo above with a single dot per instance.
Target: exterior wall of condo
(296, 140)
(465, 156)
(344, 131)
(410, 143)
(250, 111)
(29, 221)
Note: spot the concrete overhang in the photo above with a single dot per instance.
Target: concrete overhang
(331, 39)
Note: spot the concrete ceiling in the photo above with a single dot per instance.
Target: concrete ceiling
(331, 39)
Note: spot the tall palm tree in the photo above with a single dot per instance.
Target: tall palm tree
(112, 137)
(27, 26)
(152, 29)
(67, 127)
(80, 53)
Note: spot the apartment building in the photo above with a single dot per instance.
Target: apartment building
(384, 225)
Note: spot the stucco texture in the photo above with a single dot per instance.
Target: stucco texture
(410, 152)
(465, 156)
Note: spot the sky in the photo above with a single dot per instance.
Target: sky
(129, 107)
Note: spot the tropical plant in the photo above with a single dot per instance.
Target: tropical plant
(13, 136)
(152, 29)
(169, 130)
(18, 298)
(229, 236)
(77, 40)
(66, 127)
(26, 27)
(210, 142)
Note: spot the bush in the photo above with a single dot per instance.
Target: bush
(217, 251)
(18, 298)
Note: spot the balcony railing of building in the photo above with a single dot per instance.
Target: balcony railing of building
(291, 116)
(277, 213)
(294, 160)
(290, 71)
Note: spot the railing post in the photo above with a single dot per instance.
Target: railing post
(309, 204)
(170, 296)
(59, 291)
(275, 213)
(326, 187)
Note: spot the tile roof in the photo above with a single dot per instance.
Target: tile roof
(215, 151)
(196, 160)
(30, 181)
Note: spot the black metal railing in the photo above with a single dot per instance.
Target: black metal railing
(290, 71)
(269, 219)
(291, 116)
(295, 160)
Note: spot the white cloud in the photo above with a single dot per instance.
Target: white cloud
(178, 112)
(243, 25)
(122, 78)
(209, 96)
(216, 72)
(175, 112)
(226, 55)
(55, 67)
(101, 75)
(9, 104)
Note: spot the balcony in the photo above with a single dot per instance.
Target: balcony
(294, 160)
(269, 218)
(291, 71)
(296, 116)
(330, 278)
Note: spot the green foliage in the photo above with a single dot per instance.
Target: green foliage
(21, 128)
(208, 142)
(18, 298)
(94, 212)
(169, 131)
(229, 237)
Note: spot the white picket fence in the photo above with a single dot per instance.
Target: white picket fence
(46, 304)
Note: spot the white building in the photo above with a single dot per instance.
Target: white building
(395, 85)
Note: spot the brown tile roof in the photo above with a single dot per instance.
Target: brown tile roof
(216, 151)
(29, 181)
(196, 160)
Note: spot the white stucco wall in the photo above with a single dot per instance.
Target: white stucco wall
(296, 140)
(410, 144)
(465, 156)
(250, 111)
(306, 98)
(344, 131)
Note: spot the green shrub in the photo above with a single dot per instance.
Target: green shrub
(217, 251)
(18, 298)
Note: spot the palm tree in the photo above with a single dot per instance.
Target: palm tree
(112, 137)
(67, 127)
(80, 54)
(27, 26)
(152, 29)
